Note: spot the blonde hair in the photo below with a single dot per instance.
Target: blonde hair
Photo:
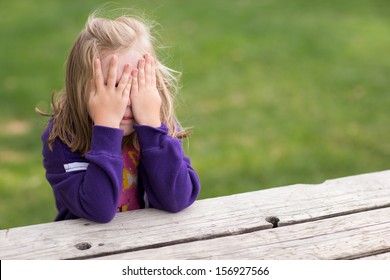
(71, 121)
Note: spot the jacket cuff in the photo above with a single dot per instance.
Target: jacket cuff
(106, 140)
(151, 137)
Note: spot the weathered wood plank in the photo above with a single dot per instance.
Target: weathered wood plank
(209, 218)
(129, 231)
(377, 256)
(344, 237)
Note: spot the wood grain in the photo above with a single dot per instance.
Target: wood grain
(290, 208)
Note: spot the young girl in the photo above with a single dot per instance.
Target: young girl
(113, 143)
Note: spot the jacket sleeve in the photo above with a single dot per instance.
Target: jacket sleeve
(87, 187)
(170, 182)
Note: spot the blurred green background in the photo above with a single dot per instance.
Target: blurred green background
(277, 92)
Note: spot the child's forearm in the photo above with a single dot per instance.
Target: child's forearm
(167, 176)
(88, 187)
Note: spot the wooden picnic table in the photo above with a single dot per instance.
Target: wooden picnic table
(345, 218)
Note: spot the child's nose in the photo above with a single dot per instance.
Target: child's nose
(129, 102)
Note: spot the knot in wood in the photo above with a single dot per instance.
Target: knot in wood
(273, 220)
(83, 246)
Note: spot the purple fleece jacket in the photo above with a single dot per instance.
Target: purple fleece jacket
(88, 187)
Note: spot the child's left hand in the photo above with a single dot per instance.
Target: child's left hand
(145, 98)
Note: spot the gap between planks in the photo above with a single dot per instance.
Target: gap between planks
(175, 242)
(355, 236)
(273, 220)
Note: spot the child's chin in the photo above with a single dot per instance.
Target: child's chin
(127, 130)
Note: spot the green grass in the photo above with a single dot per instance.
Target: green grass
(278, 92)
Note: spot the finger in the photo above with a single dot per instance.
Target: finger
(148, 69)
(111, 79)
(141, 72)
(124, 79)
(126, 91)
(134, 82)
(92, 90)
(92, 87)
(153, 72)
(98, 79)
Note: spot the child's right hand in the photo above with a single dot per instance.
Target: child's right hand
(108, 102)
(145, 97)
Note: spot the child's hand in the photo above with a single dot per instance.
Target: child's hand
(108, 102)
(145, 98)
